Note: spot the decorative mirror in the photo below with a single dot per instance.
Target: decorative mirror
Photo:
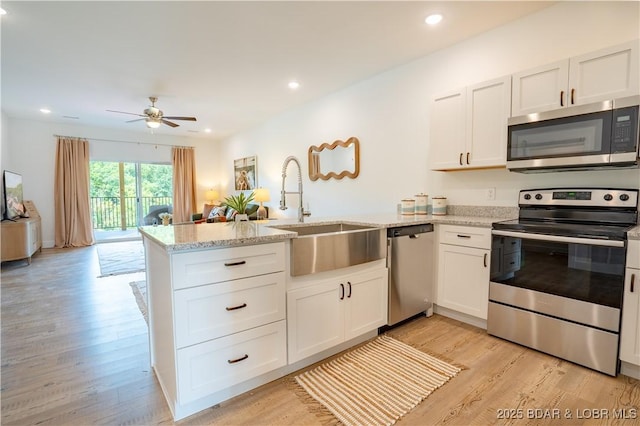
(335, 160)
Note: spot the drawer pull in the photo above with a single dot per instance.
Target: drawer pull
(233, 308)
(349, 295)
(468, 153)
(242, 358)
(633, 282)
(341, 291)
(562, 98)
(464, 236)
(460, 159)
(484, 261)
(241, 262)
(573, 92)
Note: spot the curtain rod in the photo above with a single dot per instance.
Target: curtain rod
(118, 141)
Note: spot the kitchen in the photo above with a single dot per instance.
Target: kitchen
(385, 126)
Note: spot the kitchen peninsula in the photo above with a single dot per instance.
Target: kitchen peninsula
(217, 303)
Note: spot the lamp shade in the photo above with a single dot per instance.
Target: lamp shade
(211, 195)
(261, 195)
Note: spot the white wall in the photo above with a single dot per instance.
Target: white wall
(33, 147)
(389, 114)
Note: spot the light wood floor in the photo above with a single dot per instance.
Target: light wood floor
(75, 351)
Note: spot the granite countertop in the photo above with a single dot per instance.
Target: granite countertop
(191, 236)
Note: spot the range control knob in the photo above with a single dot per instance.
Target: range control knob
(608, 197)
(538, 196)
(527, 196)
(624, 197)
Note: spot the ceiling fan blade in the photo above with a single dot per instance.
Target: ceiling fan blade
(168, 123)
(130, 113)
(182, 118)
(137, 119)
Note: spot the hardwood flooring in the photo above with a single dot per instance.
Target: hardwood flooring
(75, 351)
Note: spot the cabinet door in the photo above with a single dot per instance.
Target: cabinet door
(540, 89)
(447, 131)
(315, 319)
(488, 108)
(366, 302)
(463, 279)
(630, 333)
(606, 74)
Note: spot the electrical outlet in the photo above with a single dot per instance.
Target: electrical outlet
(491, 193)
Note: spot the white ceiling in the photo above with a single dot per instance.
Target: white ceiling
(227, 63)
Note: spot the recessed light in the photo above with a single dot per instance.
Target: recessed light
(2, 11)
(293, 85)
(433, 19)
(45, 110)
(207, 130)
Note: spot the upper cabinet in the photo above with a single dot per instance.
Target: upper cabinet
(469, 126)
(597, 76)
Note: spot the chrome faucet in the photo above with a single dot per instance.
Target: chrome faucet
(283, 204)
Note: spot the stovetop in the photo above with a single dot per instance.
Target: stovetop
(579, 230)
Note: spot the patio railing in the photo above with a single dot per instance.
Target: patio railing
(121, 212)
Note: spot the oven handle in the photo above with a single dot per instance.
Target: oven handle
(559, 239)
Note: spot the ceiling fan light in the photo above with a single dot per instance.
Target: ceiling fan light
(152, 124)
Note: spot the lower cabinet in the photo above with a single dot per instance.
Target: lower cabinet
(326, 313)
(464, 258)
(630, 333)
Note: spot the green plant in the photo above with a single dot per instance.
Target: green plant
(239, 202)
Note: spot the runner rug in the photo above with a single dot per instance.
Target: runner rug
(375, 384)
(117, 258)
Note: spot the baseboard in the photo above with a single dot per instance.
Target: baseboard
(459, 316)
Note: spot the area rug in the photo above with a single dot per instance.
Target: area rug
(375, 384)
(139, 289)
(117, 258)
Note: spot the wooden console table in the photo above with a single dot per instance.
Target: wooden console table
(23, 237)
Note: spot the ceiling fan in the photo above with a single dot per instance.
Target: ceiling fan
(154, 117)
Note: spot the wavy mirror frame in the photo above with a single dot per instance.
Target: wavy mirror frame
(314, 167)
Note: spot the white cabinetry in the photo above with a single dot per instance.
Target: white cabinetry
(463, 269)
(324, 313)
(630, 333)
(217, 319)
(597, 76)
(468, 126)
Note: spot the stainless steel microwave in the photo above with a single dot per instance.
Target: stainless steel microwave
(583, 137)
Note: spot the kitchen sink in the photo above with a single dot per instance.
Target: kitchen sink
(326, 247)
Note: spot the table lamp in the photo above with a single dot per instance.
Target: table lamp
(261, 195)
(211, 196)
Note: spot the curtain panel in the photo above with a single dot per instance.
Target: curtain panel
(71, 193)
(184, 183)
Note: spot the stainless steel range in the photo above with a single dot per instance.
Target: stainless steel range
(557, 273)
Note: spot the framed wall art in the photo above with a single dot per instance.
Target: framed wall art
(245, 173)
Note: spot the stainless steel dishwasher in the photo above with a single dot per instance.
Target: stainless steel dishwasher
(410, 258)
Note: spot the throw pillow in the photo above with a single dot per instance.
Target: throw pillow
(231, 213)
(207, 210)
(217, 212)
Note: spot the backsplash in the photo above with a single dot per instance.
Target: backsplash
(483, 211)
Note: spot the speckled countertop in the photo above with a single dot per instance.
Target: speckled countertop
(191, 236)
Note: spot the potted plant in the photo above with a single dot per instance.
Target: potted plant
(166, 218)
(239, 203)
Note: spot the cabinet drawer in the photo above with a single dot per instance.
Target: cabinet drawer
(218, 364)
(465, 236)
(633, 254)
(215, 310)
(213, 266)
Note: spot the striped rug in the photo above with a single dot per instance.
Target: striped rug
(377, 383)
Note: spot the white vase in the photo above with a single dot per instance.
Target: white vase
(241, 217)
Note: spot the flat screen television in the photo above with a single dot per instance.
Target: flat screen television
(13, 201)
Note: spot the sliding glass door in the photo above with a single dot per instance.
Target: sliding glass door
(127, 195)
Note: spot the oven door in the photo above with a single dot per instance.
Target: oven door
(577, 279)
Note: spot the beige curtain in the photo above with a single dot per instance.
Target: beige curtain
(71, 194)
(184, 184)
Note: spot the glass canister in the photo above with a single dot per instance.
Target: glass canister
(439, 205)
(408, 206)
(421, 203)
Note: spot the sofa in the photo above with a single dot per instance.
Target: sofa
(223, 213)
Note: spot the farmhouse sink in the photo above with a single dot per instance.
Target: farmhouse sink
(326, 247)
